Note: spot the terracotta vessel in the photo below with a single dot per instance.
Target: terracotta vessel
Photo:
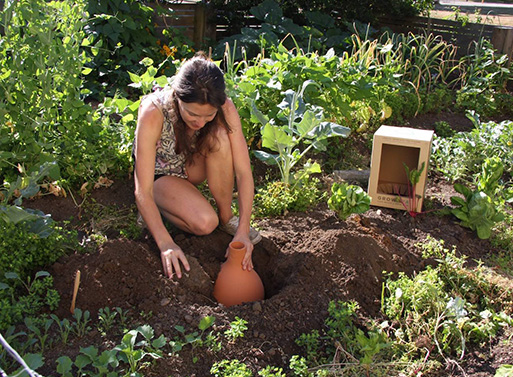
(235, 285)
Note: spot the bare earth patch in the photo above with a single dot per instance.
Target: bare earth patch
(304, 259)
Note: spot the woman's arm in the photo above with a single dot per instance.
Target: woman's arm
(243, 174)
(148, 131)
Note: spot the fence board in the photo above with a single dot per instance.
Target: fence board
(452, 31)
(191, 18)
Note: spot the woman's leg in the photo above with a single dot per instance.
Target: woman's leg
(182, 204)
(217, 169)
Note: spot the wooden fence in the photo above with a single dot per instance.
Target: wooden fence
(193, 18)
(455, 32)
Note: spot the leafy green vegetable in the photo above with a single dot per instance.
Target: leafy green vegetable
(476, 210)
(303, 124)
(348, 199)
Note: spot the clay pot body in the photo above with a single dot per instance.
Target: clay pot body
(235, 285)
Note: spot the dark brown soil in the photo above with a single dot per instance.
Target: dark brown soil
(304, 259)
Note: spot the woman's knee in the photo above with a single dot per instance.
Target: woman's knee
(204, 224)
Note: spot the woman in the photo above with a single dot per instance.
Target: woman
(185, 135)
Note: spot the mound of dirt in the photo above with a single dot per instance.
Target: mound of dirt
(305, 261)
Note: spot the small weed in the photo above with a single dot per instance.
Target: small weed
(40, 333)
(82, 319)
(443, 129)
(230, 368)
(106, 319)
(24, 298)
(64, 328)
(195, 339)
(236, 330)
(278, 198)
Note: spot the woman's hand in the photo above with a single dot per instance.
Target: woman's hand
(171, 258)
(247, 262)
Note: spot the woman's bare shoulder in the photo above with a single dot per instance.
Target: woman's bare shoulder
(149, 111)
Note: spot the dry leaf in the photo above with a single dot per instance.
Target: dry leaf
(83, 189)
(57, 190)
(103, 182)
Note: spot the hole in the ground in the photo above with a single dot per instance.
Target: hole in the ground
(272, 267)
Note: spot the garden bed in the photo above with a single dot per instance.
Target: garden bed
(305, 260)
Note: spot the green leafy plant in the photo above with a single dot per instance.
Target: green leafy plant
(476, 210)
(358, 349)
(347, 199)
(439, 305)
(195, 339)
(89, 361)
(271, 371)
(133, 352)
(230, 368)
(461, 157)
(41, 333)
(236, 330)
(106, 319)
(123, 359)
(27, 186)
(21, 298)
(303, 124)
(122, 33)
(413, 176)
(29, 362)
(64, 328)
(491, 174)
(81, 322)
(276, 198)
(299, 366)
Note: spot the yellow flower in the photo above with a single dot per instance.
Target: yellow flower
(167, 51)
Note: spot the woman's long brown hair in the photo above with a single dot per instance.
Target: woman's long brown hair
(200, 81)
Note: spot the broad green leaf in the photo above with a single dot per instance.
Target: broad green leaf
(288, 100)
(109, 357)
(505, 370)
(82, 361)
(159, 342)
(40, 274)
(64, 365)
(11, 275)
(33, 361)
(206, 322)
(307, 124)
(134, 77)
(312, 168)
(465, 191)
(91, 352)
(258, 114)
(275, 139)
(146, 331)
(268, 158)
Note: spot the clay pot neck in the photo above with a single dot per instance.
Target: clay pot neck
(236, 253)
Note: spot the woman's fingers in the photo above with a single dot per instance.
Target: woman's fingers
(171, 259)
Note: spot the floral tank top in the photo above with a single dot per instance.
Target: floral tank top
(167, 161)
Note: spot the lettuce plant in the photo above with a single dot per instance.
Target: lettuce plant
(297, 129)
(348, 199)
(476, 210)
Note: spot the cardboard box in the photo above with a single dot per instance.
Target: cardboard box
(392, 149)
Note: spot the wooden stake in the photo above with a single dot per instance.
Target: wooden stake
(75, 291)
